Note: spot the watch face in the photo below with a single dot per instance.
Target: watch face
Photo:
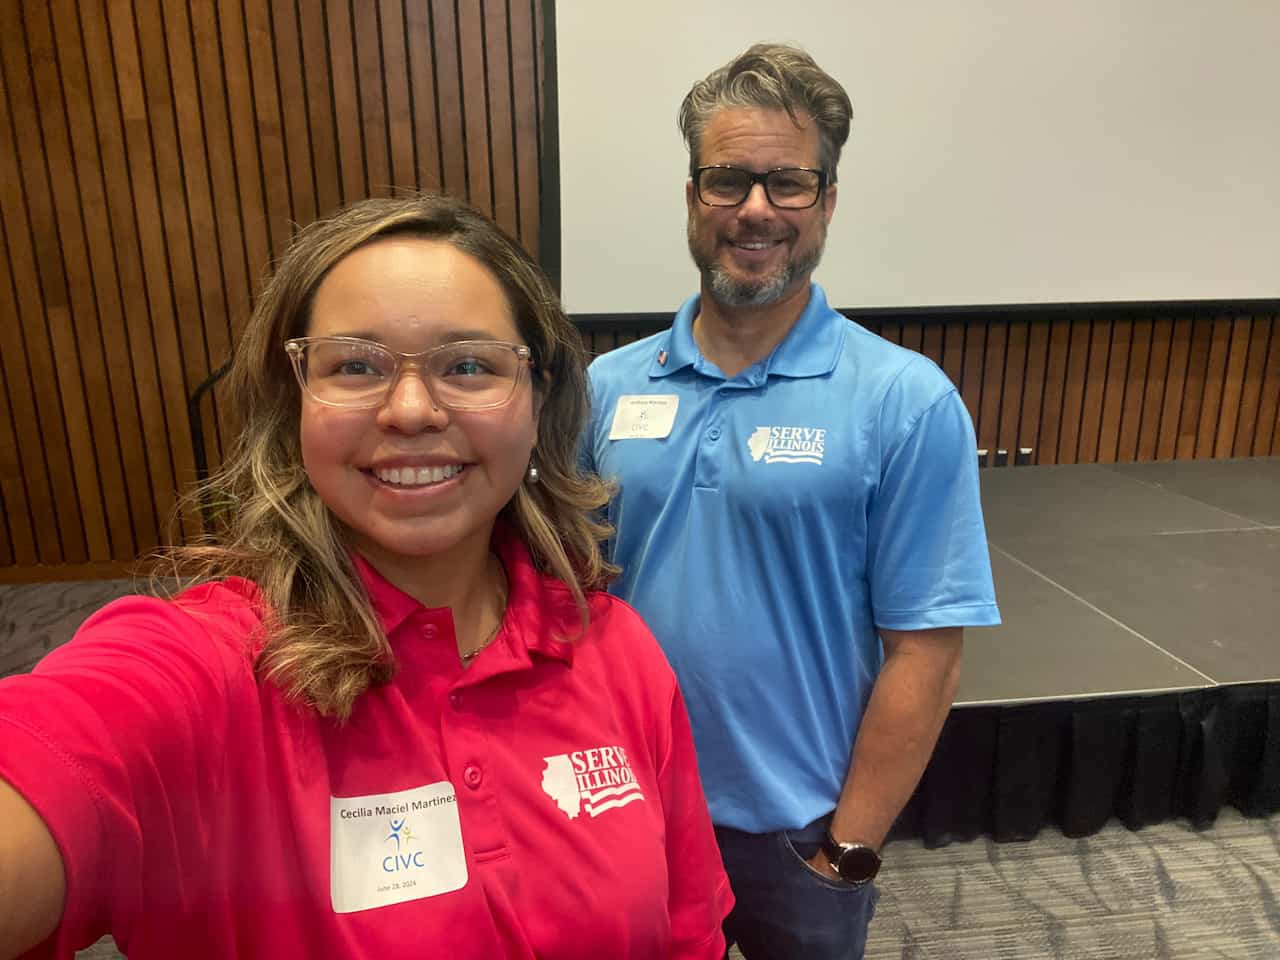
(858, 864)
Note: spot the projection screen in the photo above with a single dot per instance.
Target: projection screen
(1002, 151)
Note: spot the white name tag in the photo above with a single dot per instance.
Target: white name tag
(392, 847)
(644, 416)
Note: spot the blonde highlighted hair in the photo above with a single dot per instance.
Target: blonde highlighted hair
(770, 76)
(324, 643)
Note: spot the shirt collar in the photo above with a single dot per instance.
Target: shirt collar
(391, 604)
(541, 616)
(677, 349)
(811, 347)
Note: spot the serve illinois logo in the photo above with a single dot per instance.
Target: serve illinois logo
(594, 780)
(402, 856)
(788, 444)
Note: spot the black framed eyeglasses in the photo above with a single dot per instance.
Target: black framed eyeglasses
(462, 375)
(789, 188)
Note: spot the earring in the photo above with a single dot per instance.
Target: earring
(532, 474)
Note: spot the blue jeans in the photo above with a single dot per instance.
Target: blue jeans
(785, 909)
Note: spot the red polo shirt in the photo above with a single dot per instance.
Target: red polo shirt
(542, 803)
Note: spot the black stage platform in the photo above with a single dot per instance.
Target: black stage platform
(1137, 672)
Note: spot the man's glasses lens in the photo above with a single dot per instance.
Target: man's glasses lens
(792, 188)
(469, 374)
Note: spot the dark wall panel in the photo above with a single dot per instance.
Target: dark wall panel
(155, 155)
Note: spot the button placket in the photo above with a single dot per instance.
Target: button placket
(710, 450)
(471, 731)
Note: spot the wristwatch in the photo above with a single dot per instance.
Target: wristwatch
(855, 862)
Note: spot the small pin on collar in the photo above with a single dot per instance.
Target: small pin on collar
(662, 358)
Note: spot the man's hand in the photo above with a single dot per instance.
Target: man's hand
(822, 865)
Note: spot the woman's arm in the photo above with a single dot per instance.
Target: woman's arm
(110, 745)
(32, 882)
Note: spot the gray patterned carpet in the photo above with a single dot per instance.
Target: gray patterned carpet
(1165, 893)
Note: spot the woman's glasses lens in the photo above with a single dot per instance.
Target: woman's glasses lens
(351, 372)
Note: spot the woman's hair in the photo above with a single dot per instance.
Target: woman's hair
(770, 76)
(324, 643)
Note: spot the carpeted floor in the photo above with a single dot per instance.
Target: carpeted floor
(1165, 893)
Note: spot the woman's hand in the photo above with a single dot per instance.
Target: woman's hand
(33, 884)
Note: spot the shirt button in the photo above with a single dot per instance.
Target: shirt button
(455, 700)
(472, 776)
(430, 631)
(714, 433)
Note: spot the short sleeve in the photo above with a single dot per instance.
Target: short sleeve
(588, 460)
(700, 897)
(114, 738)
(587, 446)
(928, 559)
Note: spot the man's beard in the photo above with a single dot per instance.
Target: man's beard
(760, 291)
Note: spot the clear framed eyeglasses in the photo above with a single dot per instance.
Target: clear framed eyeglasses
(353, 372)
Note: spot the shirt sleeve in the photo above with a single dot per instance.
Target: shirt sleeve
(700, 897)
(113, 739)
(587, 442)
(588, 462)
(928, 561)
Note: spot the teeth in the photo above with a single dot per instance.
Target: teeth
(419, 477)
(756, 244)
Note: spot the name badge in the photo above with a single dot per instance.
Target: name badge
(391, 847)
(644, 416)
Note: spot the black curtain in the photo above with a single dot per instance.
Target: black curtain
(1008, 771)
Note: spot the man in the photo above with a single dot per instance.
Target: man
(797, 518)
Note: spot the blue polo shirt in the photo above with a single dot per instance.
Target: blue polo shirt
(830, 489)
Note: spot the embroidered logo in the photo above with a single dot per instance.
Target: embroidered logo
(593, 780)
(787, 444)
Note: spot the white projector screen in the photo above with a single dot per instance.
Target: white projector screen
(1002, 151)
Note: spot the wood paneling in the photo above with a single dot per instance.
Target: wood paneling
(1119, 387)
(1175, 383)
(155, 156)
(27, 351)
(1011, 390)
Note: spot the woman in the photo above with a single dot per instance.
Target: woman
(394, 718)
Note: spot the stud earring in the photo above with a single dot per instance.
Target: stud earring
(532, 474)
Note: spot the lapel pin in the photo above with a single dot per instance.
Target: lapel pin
(662, 358)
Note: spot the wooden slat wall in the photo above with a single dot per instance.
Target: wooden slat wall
(1099, 389)
(154, 156)
(1109, 389)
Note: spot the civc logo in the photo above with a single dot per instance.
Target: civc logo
(401, 859)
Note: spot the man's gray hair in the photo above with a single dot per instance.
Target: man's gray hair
(771, 76)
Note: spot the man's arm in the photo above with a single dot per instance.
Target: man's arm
(32, 881)
(909, 703)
